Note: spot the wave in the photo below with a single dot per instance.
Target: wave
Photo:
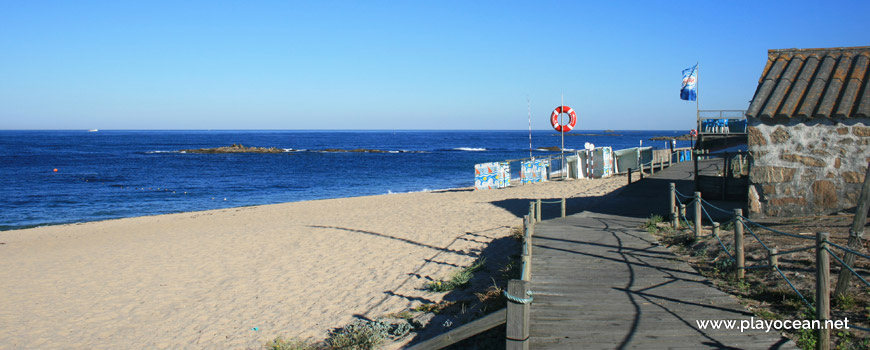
(159, 152)
(470, 149)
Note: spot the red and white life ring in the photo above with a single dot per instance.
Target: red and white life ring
(572, 119)
(693, 133)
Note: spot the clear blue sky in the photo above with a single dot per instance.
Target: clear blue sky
(393, 65)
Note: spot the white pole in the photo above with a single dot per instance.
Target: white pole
(530, 126)
(562, 126)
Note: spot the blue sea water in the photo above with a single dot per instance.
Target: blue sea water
(115, 174)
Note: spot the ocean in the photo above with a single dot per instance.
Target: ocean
(116, 174)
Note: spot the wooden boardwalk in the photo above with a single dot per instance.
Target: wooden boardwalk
(601, 282)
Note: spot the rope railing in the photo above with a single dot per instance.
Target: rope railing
(846, 266)
(793, 287)
(822, 245)
(745, 226)
(682, 195)
(849, 250)
(745, 219)
(715, 207)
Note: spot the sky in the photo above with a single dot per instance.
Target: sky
(338, 65)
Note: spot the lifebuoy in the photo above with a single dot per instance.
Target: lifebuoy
(693, 133)
(572, 119)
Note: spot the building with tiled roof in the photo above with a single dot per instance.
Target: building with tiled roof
(809, 131)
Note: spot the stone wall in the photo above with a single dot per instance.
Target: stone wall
(806, 167)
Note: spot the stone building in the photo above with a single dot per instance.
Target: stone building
(809, 132)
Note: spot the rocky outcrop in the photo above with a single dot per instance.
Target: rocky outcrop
(235, 148)
(686, 137)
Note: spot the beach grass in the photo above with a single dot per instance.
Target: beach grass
(457, 279)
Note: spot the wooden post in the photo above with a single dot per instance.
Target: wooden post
(773, 258)
(698, 214)
(563, 207)
(532, 214)
(716, 229)
(527, 253)
(525, 225)
(517, 317)
(855, 233)
(823, 293)
(652, 165)
(531, 226)
(641, 171)
(682, 210)
(738, 243)
(629, 176)
(695, 157)
(725, 169)
(540, 214)
(673, 202)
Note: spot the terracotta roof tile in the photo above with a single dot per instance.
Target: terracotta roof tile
(814, 83)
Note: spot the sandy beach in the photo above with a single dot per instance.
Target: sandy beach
(206, 280)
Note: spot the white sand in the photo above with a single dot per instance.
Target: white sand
(203, 280)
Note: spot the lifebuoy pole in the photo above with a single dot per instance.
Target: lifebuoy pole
(562, 149)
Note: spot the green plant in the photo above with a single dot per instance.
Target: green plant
(512, 270)
(652, 222)
(700, 253)
(765, 314)
(807, 339)
(517, 233)
(365, 335)
(723, 266)
(457, 279)
(678, 238)
(844, 301)
(434, 307)
(280, 343)
(360, 335)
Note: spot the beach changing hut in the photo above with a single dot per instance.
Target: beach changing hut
(809, 132)
(492, 175)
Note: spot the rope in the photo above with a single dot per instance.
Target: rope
(843, 264)
(849, 250)
(724, 248)
(794, 251)
(682, 195)
(551, 202)
(704, 210)
(715, 207)
(520, 300)
(777, 231)
(756, 237)
(793, 287)
(859, 328)
(686, 221)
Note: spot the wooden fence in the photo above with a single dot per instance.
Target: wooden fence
(821, 243)
(516, 315)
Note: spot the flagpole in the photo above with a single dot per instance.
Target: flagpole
(698, 95)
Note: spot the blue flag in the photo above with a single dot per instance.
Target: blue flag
(689, 92)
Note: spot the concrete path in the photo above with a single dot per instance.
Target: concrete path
(602, 282)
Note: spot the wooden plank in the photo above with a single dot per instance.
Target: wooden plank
(466, 331)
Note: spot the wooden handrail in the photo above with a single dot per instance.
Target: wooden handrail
(466, 331)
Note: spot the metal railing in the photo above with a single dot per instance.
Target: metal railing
(721, 121)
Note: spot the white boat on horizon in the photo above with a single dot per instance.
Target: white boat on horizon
(93, 130)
